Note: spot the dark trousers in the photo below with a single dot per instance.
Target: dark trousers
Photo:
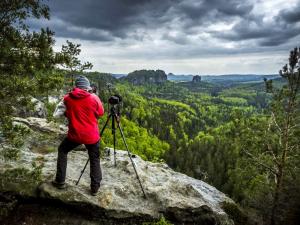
(95, 170)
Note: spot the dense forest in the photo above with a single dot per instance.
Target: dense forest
(227, 138)
(242, 138)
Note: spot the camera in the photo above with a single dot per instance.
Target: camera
(115, 99)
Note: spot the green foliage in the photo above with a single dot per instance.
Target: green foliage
(234, 101)
(21, 175)
(235, 213)
(48, 82)
(69, 54)
(9, 153)
(14, 92)
(27, 61)
(50, 110)
(23, 54)
(174, 104)
(36, 173)
(102, 81)
(162, 221)
(15, 134)
(140, 142)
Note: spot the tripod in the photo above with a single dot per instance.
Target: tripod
(114, 116)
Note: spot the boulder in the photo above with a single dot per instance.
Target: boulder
(177, 197)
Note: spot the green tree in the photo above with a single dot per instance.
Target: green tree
(285, 121)
(70, 52)
(23, 54)
(274, 151)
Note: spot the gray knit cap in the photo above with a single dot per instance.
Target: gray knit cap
(82, 82)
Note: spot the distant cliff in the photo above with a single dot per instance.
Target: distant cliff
(140, 77)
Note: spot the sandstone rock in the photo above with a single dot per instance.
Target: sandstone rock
(42, 125)
(39, 108)
(30, 107)
(140, 77)
(179, 198)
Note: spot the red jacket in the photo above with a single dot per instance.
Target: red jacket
(82, 111)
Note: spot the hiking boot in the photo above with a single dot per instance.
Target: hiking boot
(94, 191)
(59, 185)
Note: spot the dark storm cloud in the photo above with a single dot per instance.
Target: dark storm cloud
(292, 15)
(63, 29)
(115, 16)
(282, 28)
(247, 29)
(209, 11)
(121, 17)
(136, 20)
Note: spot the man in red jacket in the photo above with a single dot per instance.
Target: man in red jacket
(82, 110)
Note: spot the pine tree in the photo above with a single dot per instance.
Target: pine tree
(285, 121)
(25, 55)
(70, 53)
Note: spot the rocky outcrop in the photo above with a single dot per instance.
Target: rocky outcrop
(140, 77)
(41, 124)
(177, 197)
(196, 79)
(30, 107)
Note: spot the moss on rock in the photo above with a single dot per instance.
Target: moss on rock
(21, 180)
(235, 213)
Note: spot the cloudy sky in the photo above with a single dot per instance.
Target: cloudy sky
(179, 36)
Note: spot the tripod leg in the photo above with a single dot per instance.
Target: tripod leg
(129, 154)
(102, 131)
(114, 138)
(82, 171)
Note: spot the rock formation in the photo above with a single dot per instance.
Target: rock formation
(196, 79)
(177, 197)
(140, 77)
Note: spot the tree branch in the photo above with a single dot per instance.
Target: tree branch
(275, 122)
(259, 163)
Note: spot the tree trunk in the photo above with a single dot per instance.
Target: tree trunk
(276, 197)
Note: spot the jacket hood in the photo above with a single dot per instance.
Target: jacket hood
(79, 93)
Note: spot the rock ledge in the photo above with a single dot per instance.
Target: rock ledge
(177, 197)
